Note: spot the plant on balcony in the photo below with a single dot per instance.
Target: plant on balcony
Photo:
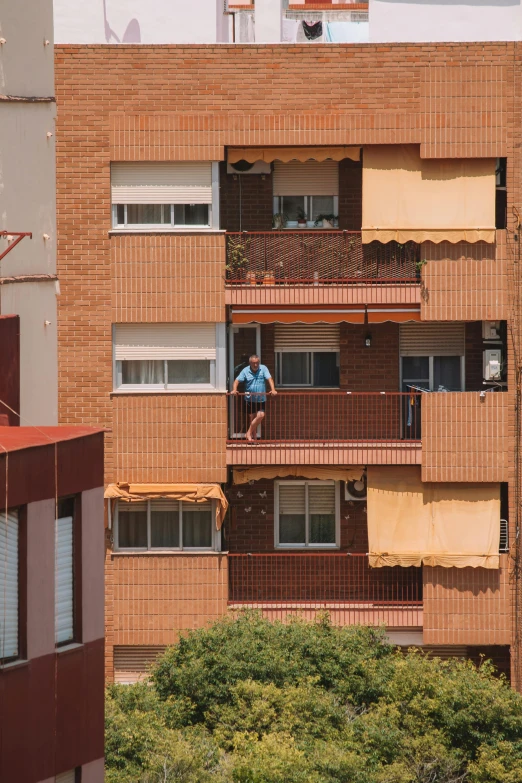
(279, 220)
(301, 218)
(327, 221)
(237, 259)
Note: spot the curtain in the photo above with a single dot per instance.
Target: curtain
(407, 198)
(132, 526)
(197, 528)
(142, 371)
(412, 523)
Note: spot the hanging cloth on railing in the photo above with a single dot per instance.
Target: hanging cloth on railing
(313, 30)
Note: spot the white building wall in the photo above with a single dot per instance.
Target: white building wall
(445, 20)
(140, 21)
(28, 198)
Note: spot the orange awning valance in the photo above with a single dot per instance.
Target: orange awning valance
(333, 473)
(374, 315)
(286, 154)
(188, 493)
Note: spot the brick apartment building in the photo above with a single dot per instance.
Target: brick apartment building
(385, 485)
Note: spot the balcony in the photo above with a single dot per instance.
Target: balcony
(284, 584)
(328, 428)
(304, 267)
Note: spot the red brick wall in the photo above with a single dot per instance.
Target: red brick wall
(370, 369)
(245, 201)
(474, 370)
(350, 195)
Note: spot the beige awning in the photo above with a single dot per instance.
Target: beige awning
(286, 154)
(351, 473)
(411, 523)
(189, 493)
(407, 198)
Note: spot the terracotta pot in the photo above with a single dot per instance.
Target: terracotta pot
(268, 279)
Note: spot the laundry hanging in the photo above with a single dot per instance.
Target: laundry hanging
(313, 30)
(290, 28)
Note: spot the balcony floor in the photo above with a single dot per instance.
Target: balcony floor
(330, 453)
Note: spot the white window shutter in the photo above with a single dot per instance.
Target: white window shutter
(292, 499)
(161, 183)
(306, 337)
(165, 341)
(306, 179)
(64, 581)
(321, 499)
(9, 555)
(66, 777)
(432, 339)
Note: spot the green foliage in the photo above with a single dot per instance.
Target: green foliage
(249, 701)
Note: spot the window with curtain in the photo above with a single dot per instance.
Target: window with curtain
(307, 514)
(9, 585)
(64, 572)
(166, 524)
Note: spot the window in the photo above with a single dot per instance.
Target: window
(64, 572)
(436, 373)
(307, 355)
(169, 356)
(9, 585)
(432, 356)
(165, 195)
(311, 188)
(307, 514)
(166, 524)
(311, 206)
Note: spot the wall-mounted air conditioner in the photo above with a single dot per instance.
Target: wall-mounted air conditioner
(243, 167)
(356, 490)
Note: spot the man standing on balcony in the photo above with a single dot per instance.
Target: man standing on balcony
(254, 377)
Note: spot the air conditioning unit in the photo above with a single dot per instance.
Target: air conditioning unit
(356, 490)
(503, 545)
(491, 330)
(243, 167)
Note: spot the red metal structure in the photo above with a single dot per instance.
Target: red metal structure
(19, 236)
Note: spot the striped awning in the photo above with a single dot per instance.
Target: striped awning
(286, 154)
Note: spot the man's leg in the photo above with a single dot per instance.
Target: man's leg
(255, 421)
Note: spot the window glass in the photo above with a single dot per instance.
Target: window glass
(189, 371)
(148, 214)
(321, 508)
(292, 206)
(322, 205)
(447, 373)
(191, 215)
(292, 529)
(416, 368)
(132, 525)
(197, 527)
(9, 584)
(120, 214)
(164, 524)
(292, 513)
(326, 368)
(142, 372)
(295, 369)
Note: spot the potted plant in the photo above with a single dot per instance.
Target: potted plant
(301, 218)
(237, 259)
(269, 278)
(279, 220)
(327, 221)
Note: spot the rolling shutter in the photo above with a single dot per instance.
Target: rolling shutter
(131, 664)
(9, 584)
(306, 179)
(292, 499)
(321, 499)
(433, 339)
(165, 341)
(64, 587)
(161, 183)
(66, 777)
(306, 337)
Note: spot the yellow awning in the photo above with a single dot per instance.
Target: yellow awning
(408, 198)
(411, 523)
(189, 493)
(286, 154)
(351, 473)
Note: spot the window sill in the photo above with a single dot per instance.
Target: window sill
(145, 390)
(18, 664)
(68, 648)
(158, 230)
(291, 548)
(169, 552)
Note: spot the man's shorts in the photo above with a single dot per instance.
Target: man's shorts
(254, 406)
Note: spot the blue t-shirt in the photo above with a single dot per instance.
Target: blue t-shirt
(255, 382)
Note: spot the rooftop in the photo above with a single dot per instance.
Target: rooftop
(17, 438)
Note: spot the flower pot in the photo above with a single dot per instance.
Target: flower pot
(301, 224)
(291, 223)
(251, 278)
(310, 223)
(269, 278)
(327, 224)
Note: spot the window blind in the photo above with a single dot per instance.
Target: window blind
(306, 179)
(306, 337)
(432, 339)
(9, 584)
(292, 499)
(321, 499)
(64, 586)
(131, 663)
(165, 341)
(66, 777)
(161, 183)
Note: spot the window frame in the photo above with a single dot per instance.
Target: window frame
(158, 226)
(310, 351)
(216, 534)
(218, 372)
(21, 622)
(307, 544)
(431, 370)
(277, 205)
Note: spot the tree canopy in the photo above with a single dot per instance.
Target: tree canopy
(250, 701)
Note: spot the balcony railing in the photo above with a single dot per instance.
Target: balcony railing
(281, 584)
(317, 257)
(330, 418)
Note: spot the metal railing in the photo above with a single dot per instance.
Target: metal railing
(317, 257)
(329, 417)
(281, 584)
